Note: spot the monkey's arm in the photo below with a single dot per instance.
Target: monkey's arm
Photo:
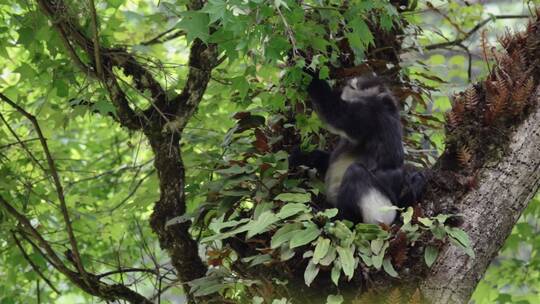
(316, 159)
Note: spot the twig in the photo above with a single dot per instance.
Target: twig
(469, 33)
(157, 39)
(23, 145)
(56, 179)
(32, 264)
(17, 142)
(469, 67)
(125, 270)
(97, 56)
(289, 31)
(133, 191)
(97, 288)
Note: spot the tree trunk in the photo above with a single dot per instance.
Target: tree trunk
(490, 212)
(175, 238)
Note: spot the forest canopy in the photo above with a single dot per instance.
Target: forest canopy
(144, 151)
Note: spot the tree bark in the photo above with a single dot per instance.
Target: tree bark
(490, 212)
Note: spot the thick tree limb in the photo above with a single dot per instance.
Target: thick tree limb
(490, 212)
(104, 60)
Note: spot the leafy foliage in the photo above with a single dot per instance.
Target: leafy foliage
(245, 205)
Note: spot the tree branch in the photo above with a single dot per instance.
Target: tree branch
(56, 180)
(467, 35)
(32, 264)
(92, 285)
(106, 59)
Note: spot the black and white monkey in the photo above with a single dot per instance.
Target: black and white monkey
(364, 174)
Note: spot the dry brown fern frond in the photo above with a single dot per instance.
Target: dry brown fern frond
(394, 297)
(464, 156)
(520, 95)
(506, 39)
(471, 98)
(416, 297)
(455, 116)
(497, 96)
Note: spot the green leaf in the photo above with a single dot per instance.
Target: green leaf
(291, 209)
(389, 268)
(334, 299)
(216, 9)
(241, 85)
(329, 258)
(294, 197)
(278, 3)
(195, 24)
(311, 272)
(305, 236)
(377, 261)
(286, 253)
(425, 221)
(261, 224)
(321, 249)
(284, 234)
(257, 259)
(346, 256)
(438, 232)
(376, 246)
(336, 272)
(430, 255)
(441, 218)
(361, 29)
(330, 213)
(407, 215)
(459, 235)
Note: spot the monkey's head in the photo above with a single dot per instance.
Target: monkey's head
(366, 90)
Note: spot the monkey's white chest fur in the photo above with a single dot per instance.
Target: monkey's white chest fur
(372, 204)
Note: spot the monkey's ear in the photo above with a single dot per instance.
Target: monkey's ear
(388, 100)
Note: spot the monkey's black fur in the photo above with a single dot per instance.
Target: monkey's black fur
(365, 172)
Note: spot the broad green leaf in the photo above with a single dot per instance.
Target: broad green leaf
(294, 197)
(291, 209)
(346, 256)
(376, 246)
(216, 9)
(310, 273)
(334, 299)
(257, 259)
(321, 249)
(407, 215)
(305, 236)
(195, 24)
(329, 258)
(330, 213)
(389, 268)
(284, 234)
(261, 224)
(425, 221)
(336, 272)
(430, 255)
(459, 235)
(377, 261)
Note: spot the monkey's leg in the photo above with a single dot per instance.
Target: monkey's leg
(414, 186)
(361, 198)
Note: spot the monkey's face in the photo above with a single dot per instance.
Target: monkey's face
(359, 89)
